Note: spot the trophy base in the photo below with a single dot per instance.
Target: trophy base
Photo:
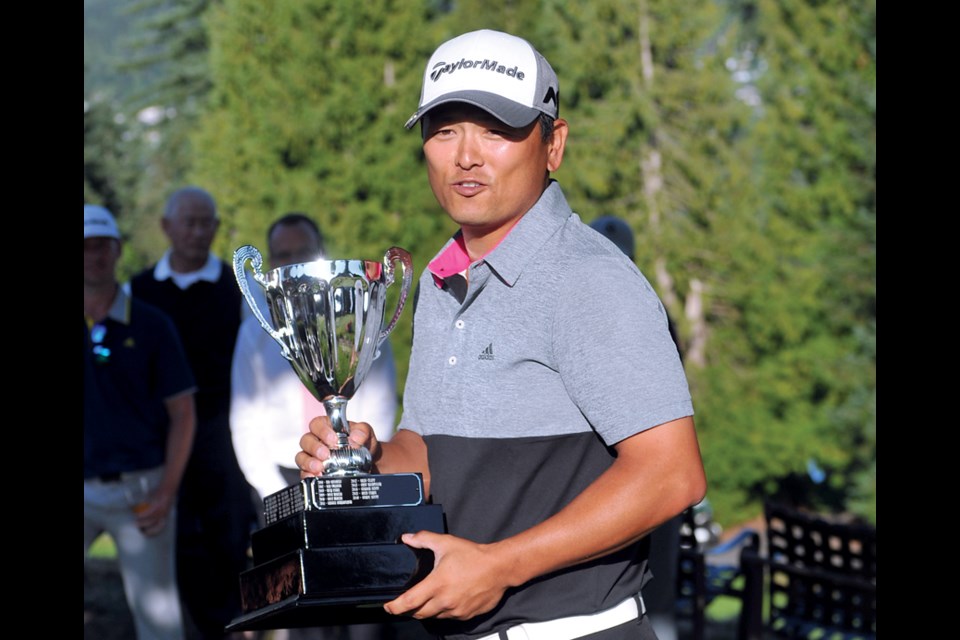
(328, 565)
(343, 527)
(331, 586)
(314, 611)
(324, 493)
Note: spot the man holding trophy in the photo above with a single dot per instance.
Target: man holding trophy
(545, 406)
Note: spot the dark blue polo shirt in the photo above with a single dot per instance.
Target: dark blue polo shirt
(125, 420)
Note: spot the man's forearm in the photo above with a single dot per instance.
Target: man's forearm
(405, 453)
(179, 441)
(657, 474)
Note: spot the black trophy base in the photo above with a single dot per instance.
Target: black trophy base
(331, 552)
(343, 527)
(312, 611)
(331, 586)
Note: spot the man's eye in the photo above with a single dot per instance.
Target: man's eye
(503, 133)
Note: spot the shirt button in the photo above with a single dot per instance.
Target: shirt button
(452, 360)
(459, 324)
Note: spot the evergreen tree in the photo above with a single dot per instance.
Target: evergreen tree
(168, 45)
(654, 139)
(144, 69)
(797, 379)
(106, 178)
(167, 52)
(307, 115)
(737, 139)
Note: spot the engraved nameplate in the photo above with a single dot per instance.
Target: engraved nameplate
(373, 490)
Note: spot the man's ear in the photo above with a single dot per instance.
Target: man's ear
(556, 144)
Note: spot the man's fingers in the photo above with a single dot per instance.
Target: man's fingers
(308, 464)
(320, 427)
(310, 459)
(422, 540)
(412, 602)
(317, 443)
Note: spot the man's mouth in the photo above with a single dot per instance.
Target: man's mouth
(468, 188)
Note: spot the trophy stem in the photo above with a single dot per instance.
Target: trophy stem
(336, 407)
(344, 460)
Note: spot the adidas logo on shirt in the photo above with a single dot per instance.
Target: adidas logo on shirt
(486, 354)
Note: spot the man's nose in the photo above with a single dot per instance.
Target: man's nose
(469, 153)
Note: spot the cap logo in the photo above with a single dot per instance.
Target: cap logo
(551, 96)
(441, 68)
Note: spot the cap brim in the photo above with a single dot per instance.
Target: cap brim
(506, 111)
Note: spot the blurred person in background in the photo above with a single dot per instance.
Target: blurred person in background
(138, 428)
(661, 595)
(199, 292)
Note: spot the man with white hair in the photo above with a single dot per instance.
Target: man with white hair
(198, 291)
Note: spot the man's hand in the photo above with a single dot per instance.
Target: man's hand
(154, 514)
(468, 579)
(317, 443)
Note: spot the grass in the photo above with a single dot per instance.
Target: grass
(103, 547)
(723, 609)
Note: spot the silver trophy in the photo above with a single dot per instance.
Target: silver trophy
(327, 318)
(330, 550)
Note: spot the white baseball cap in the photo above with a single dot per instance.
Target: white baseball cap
(99, 223)
(500, 73)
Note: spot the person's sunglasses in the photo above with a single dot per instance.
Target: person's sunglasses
(101, 354)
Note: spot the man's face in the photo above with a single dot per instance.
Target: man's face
(290, 244)
(100, 257)
(191, 229)
(485, 174)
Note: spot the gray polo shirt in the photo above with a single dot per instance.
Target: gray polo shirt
(522, 381)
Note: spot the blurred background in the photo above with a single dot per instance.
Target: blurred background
(736, 137)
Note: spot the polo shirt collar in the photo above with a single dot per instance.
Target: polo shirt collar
(451, 260)
(120, 309)
(538, 225)
(209, 272)
(512, 254)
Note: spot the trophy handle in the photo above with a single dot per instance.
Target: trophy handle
(396, 254)
(240, 257)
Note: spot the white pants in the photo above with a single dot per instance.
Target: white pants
(147, 563)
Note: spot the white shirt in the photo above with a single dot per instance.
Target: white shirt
(270, 409)
(209, 272)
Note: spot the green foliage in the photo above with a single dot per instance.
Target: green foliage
(106, 179)
(797, 377)
(308, 114)
(170, 46)
(145, 71)
(107, 26)
(103, 547)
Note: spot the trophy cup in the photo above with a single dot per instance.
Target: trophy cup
(329, 552)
